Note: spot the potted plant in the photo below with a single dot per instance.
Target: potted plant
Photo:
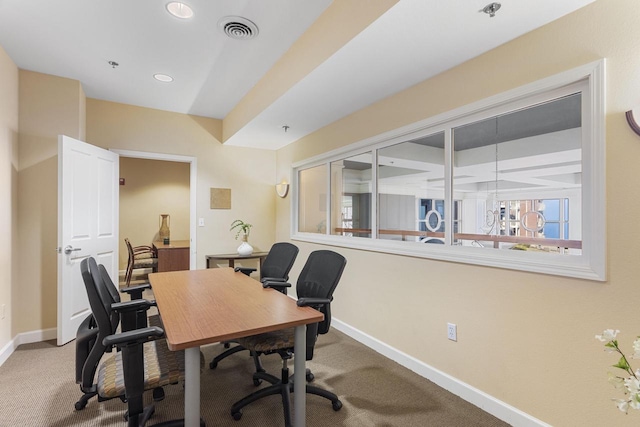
(243, 228)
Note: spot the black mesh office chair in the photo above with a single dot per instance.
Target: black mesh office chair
(89, 347)
(144, 362)
(315, 286)
(277, 264)
(275, 268)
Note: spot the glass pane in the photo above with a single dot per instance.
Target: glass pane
(552, 230)
(551, 210)
(312, 200)
(410, 178)
(351, 196)
(508, 171)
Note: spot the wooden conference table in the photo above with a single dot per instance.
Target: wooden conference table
(206, 306)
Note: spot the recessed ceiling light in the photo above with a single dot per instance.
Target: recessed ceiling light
(491, 9)
(163, 78)
(179, 10)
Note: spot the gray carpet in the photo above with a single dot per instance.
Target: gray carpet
(37, 388)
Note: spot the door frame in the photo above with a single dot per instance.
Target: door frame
(193, 177)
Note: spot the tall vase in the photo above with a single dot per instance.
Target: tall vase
(164, 228)
(245, 248)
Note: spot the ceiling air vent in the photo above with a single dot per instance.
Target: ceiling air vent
(238, 28)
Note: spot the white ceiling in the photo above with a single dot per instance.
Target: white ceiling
(414, 40)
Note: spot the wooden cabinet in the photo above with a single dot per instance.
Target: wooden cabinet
(174, 256)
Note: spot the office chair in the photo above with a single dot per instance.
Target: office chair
(316, 283)
(275, 268)
(139, 257)
(277, 264)
(89, 351)
(144, 362)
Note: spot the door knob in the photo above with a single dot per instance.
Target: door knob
(68, 249)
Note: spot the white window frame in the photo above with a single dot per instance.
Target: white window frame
(591, 264)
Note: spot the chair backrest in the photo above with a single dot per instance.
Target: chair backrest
(108, 283)
(318, 279)
(129, 250)
(104, 323)
(279, 261)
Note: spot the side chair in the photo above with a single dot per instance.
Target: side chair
(315, 286)
(139, 257)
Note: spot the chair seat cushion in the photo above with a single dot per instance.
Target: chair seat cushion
(155, 320)
(143, 255)
(270, 341)
(161, 367)
(145, 262)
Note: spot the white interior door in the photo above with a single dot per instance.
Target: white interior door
(87, 224)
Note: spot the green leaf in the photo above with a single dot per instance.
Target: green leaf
(622, 364)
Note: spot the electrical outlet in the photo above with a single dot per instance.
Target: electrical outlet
(452, 331)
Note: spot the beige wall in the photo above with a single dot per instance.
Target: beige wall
(152, 187)
(526, 339)
(49, 106)
(249, 173)
(8, 191)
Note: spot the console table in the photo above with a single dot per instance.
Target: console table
(232, 258)
(173, 256)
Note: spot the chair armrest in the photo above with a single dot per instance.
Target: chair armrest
(306, 302)
(276, 285)
(245, 270)
(133, 305)
(133, 337)
(273, 279)
(136, 291)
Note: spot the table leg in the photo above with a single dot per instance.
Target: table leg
(232, 263)
(192, 387)
(299, 373)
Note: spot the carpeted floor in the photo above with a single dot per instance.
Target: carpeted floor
(37, 388)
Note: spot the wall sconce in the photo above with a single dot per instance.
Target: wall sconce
(282, 189)
(631, 119)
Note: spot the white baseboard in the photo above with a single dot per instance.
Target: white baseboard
(482, 400)
(26, 338)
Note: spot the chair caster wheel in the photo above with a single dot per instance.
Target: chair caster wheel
(237, 415)
(257, 382)
(337, 405)
(80, 405)
(227, 345)
(158, 394)
(310, 377)
(213, 364)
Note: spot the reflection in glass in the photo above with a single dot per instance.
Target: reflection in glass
(516, 175)
(351, 196)
(312, 200)
(408, 174)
